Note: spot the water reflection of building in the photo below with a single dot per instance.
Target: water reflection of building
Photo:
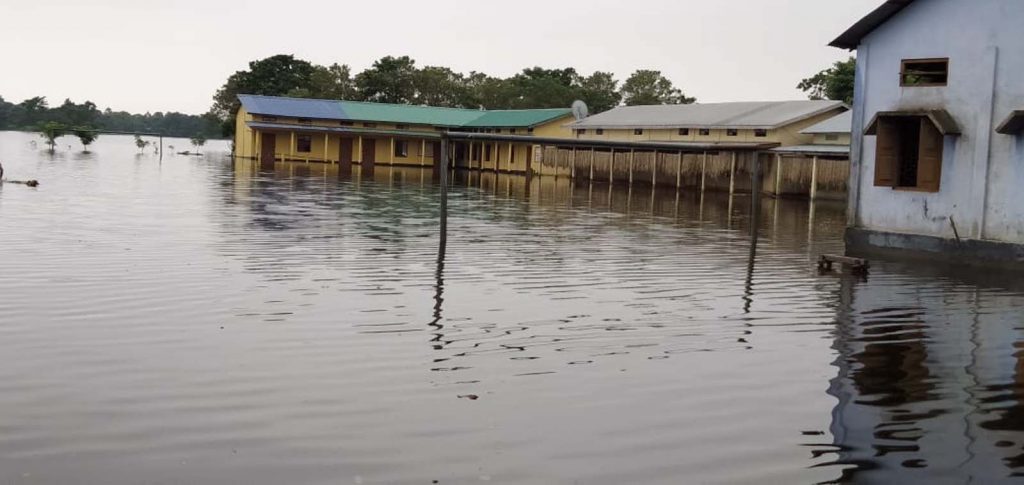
(930, 383)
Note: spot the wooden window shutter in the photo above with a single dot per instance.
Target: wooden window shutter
(887, 149)
(929, 164)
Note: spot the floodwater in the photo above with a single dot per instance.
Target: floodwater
(195, 320)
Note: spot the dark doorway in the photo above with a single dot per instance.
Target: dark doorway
(909, 133)
(268, 145)
(345, 156)
(369, 156)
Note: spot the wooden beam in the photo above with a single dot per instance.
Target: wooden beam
(814, 177)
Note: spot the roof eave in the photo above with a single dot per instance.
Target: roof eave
(851, 38)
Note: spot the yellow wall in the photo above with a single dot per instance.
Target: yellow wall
(840, 139)
(420, 152)
(558, 128)
(244, 141)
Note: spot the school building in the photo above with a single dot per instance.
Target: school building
(275, 128)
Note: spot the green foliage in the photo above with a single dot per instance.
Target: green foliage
(398, 80)
(389, 80)
(140, 143)
(32, 112)
(198, 141)
(50, 131)
(835, 82)
(600, 91)
(86, 135)
(274, 76)
(646, 87)
(439, 86)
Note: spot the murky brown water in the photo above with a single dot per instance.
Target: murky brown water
(197, 321)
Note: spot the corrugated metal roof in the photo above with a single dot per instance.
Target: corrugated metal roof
(521, 117)
(827, 150)
(841, 123)
(764, 114)
(852, 37)
(395, 113)
(341, 129)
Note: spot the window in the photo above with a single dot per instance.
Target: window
(529, 130)
(497, 130)
(369, 125)
(304, 143)
(581, 132)
(512, 131)
(512, 156)
(401, 127)
(305, 121)
(731, 132)
(704, 132)
(487, 153)
(831, 137)
(599, 131)
(345, 123)
(924, 72)
(638, 131)
(401, 148)
(908, 153)
(488, 130)
(684, 132)
(760, 133)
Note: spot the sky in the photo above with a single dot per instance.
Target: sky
(147, 55)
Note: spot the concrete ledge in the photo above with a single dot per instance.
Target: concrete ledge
(973, 252)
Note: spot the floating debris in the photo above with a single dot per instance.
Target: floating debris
(471, 397)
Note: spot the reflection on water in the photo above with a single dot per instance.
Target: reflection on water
(198, 320)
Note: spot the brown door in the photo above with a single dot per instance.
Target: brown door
(369, 156)
(268, 145)
(345, 157)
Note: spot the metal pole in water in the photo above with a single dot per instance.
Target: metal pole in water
(444, 199)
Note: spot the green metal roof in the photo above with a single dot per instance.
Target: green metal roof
(396, 113)
(520, 117)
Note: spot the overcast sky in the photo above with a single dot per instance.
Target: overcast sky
(139, 56)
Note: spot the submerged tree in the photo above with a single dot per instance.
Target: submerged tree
(140, 143)
(835, 82)
(198, 141)
(50, 131)
(86, 135)
(647, 86)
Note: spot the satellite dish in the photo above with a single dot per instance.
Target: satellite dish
(579, 110)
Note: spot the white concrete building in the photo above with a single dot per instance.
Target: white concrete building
(937, 154)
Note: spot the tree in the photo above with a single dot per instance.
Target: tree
(537, 87)
(389, 80)
(600, 91)
(483, 91)
(273, 76)
(140, 143)
(439, 86)
(86, 135)
(646, 87)
(198, 141)
(50, 131)
(333, 82)
(835, 82)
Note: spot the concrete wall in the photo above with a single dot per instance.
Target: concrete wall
(982, 171)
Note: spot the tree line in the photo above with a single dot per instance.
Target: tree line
(399, 80)
(33, 113)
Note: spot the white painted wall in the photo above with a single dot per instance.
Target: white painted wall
(982, 171)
